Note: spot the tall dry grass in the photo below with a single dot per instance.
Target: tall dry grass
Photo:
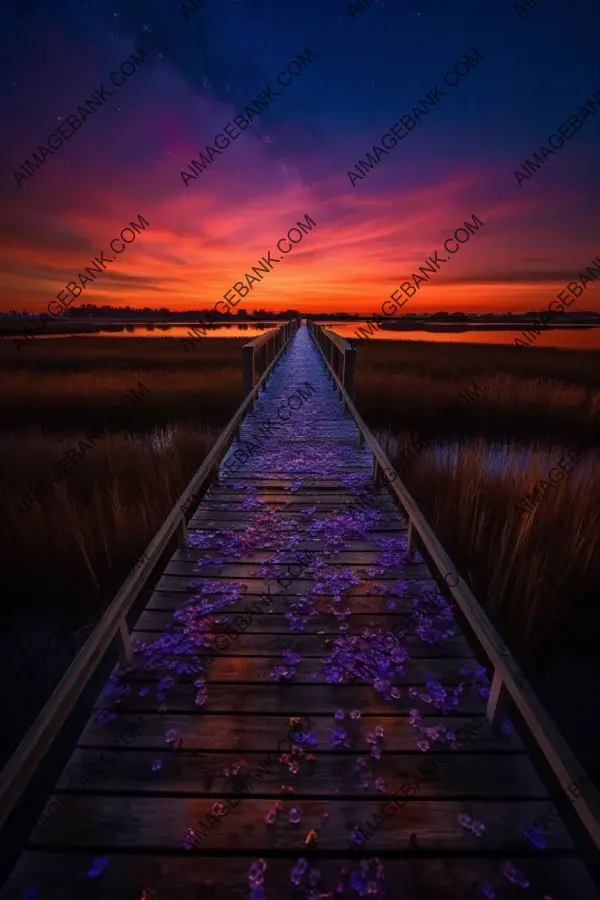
(87, 532)
(91, 528)
(65, 385)
(537, 576)
(526, 393)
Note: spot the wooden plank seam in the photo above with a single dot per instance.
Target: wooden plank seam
(242, 785)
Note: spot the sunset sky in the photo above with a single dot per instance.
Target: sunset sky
(371, 68)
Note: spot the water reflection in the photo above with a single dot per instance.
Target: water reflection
(574, 337)
(161, 330)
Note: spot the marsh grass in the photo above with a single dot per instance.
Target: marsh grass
(83, 354)
(92, 527)
(89, 529)
(527, 393)
(538, 575)
(73, 385)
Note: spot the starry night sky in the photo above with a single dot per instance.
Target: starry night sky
(371, 68)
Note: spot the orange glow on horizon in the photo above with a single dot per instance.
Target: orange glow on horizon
(360, 251)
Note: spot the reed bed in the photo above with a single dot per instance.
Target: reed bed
(74, 385)
(536, 575)
(87, 531)
(92, 527)
(413, 386)
(82, 354)
(453, 360)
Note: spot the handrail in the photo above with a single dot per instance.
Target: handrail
(508, 679)
(265, 347)
(339, 353)
(24, 762)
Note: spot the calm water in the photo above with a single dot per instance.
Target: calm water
(574, 337)
(161, 331)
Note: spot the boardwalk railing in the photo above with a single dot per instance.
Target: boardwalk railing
(340, 355)
(508, 682)
(258, 354)
(24, 762)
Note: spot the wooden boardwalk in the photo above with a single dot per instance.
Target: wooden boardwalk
(302, 698)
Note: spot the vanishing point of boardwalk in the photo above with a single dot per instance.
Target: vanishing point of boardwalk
(303, 716)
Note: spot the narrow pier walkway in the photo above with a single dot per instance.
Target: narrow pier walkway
(304, 717)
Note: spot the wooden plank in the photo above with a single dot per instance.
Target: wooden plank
(458, 776)
(388, 521)
(185, 877)
(309, 671)
(173, 591)
(157, 620)
(248, 571)
(258, 586)
(303, 546)
(159, 823)
(242, 481)
(339, 496)
(339, 558)
(285, 699)
(305, 492)
(261, 734)
(314, 646)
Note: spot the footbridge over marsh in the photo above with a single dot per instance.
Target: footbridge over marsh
(305, 704)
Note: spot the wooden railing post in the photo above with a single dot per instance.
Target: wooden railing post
(182, 532)
(497, 705)
(248, 371)
(376, 472)
(125, 648)
(410, 541)
(350, 371)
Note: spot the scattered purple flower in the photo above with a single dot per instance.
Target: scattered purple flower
(97, 867)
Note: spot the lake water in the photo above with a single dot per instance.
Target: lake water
(574, 337)
(252, 330)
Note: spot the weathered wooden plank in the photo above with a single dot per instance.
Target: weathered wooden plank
(313, 645)
(388, 520)
(288, 521)
(308, 495)
(339, 558)
(159, 823)
(185, 877)
(176, 594)
(457, 776)
(262, 733)
(285, 699)
(304, 543)
(271, 623)
(250, 571)
(309, 671)
(301, 499)
(259, 586)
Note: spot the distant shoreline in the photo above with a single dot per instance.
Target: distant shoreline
(17, 326)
